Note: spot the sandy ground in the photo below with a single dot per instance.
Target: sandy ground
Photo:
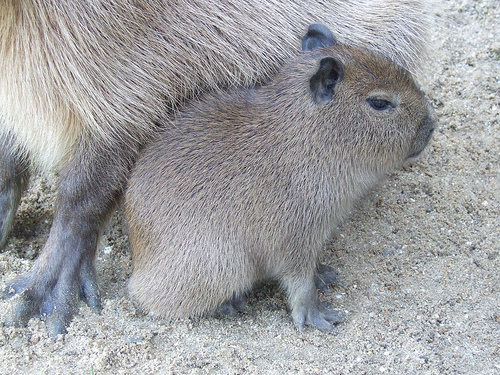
(418, 261)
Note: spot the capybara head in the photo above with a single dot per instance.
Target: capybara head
(369, 108)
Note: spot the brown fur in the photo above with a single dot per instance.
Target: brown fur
(249, 184)
(83, 84)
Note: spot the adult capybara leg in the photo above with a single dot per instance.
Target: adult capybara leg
(64, 272)
(14, 178)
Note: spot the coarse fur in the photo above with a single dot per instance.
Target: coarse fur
(249, 184)
(107, 70)
(83, 85)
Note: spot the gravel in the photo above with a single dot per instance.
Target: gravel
(418, 260)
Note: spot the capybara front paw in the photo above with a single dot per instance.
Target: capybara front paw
(52, 296)
(319, 316)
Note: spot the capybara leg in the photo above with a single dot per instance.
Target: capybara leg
(305, 305)
(14, 178)
(324, 277)
(64, 273)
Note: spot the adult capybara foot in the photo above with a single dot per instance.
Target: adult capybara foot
(52, 292)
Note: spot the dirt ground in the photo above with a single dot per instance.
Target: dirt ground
(418, 261)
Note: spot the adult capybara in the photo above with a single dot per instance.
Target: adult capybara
(249, 183)
(84, 83)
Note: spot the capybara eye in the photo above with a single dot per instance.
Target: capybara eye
(380, 104)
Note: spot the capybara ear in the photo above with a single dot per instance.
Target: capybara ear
(323, 83)
(318, 36)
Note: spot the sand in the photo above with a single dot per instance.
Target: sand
(418, 261)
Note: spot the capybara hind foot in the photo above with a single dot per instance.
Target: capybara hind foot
(233, 306)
